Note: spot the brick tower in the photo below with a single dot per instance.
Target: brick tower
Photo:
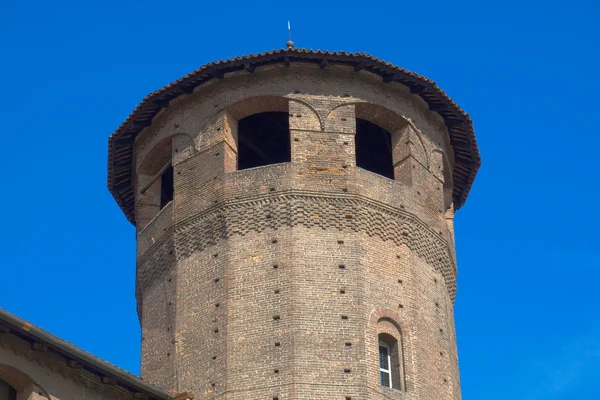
(294, 214)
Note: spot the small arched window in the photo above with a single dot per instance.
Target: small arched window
(7, 392)
(390, 362)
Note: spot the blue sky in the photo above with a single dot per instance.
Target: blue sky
(527, 314)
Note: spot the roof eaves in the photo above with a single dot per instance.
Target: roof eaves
(92, 363)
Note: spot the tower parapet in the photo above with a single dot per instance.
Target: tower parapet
(294, 216)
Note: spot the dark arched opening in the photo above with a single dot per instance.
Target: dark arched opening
(7, 392)
(374, 148)
(263, 139)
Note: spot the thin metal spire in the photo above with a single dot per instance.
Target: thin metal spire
(289, 44)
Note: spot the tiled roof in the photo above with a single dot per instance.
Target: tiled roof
(460, 127)
(106, 372)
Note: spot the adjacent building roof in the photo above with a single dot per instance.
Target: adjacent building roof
(460, 127)
(106, 372)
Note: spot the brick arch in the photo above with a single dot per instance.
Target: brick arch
(392, 121)
(156, 157)
(21, 382)
(387, 321)
(257, 104)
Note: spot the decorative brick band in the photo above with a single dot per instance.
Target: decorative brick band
(342, 213)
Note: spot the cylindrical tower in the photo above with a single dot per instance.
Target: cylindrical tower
(294, 215)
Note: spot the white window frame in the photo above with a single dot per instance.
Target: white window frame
(389, 360)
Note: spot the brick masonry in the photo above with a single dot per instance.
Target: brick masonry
(274, 282)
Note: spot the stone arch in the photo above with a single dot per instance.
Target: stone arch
(385, 322)
(22, 383)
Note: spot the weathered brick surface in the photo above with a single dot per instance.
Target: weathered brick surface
(274, 282)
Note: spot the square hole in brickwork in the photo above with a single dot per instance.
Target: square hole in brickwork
(276, 371)
(217, 305)
(344, 317)
(400, 281)
(400, 306)
(348, 398)
(348, 344)
(275, 266)
(275, 398)
(276, 291)
(216, 330)
(274, 241)
(342, 266)
(277, 344)
(342, 291)
(340, 242)
(216, 280)
(214, 357)
(347, 370)
(276, 317)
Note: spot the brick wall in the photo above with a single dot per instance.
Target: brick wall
(273, 282)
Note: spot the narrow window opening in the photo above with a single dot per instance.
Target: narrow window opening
(385, 363)
(390, 364)
(7, 392)
(166, 187)
(263, 139)
(374, 148)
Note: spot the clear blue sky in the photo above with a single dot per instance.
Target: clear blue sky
(527, 311)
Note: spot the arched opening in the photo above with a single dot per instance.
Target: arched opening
(7, 392)
(263, 139)
(374, 148)
(154, 182)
